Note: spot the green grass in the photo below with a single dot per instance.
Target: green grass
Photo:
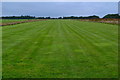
(0, 50)
(4, 21)
(60, 49)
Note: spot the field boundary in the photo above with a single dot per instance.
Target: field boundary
(19, 22)
(106, 21)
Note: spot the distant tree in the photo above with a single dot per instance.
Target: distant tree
(93, 17)
(19, 17)
(40, 18)
(75, 17)
(59, 17)
(47, 18)
(65, 17)
(115, 16)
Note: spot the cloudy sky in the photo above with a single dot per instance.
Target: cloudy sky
(60, 0)
(56, 9)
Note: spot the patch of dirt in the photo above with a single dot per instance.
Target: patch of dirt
(110, 21)
(19, 22)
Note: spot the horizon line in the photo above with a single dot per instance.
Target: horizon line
(57, 16)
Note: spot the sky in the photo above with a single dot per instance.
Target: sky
(60, 0)
(56, 9)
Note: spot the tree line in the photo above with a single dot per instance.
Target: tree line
(111, 16)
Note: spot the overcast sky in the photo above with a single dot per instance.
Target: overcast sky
(55, 9)
(60, 0)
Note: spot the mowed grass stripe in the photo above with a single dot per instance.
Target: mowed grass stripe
(60, 49)
(25, 38)
(97, 39)
(20, 35)
(101, 41)
(94, 56)
(97, 36)
(101, 30)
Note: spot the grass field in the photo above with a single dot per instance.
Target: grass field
(60, 49)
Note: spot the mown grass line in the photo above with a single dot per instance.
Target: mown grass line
(60, 49)
(104, 33)
(101, 39)
(19, 34)
(97, 38)
(95, 56)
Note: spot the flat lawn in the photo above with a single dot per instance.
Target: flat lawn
(60, 49)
